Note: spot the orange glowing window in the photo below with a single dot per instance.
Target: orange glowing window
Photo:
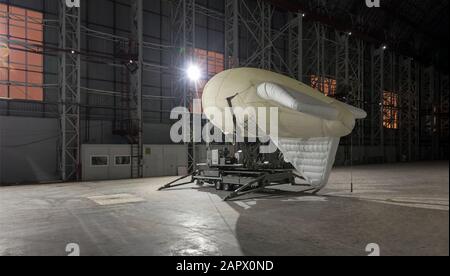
(211, 64)
(324, 85)
(390, 110)
(21, 70)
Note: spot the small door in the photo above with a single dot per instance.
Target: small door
(170, 161)
(153, 161)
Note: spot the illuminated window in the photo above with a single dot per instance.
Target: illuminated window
(324, 85)
(212, 63)
(21, 70)
(390, 110)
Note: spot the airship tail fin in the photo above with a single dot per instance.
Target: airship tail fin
(312, 158)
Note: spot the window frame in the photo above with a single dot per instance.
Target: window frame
(99, 156)
(209, 61)
(391, 110)
(122, 165)
(26, 68)
(320, 83)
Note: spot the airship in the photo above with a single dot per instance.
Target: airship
(309, 126)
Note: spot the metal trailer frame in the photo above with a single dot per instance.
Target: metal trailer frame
(246, 181)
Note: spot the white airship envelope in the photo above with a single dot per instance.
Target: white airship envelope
(310, 124)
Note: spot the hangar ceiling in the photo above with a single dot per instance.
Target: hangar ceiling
(419, 28)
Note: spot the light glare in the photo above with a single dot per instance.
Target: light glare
(194, 73)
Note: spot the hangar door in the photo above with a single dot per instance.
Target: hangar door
(164, 160)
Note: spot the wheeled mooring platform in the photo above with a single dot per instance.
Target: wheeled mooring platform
(237, 179)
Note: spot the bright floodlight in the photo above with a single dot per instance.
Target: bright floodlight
(194, 73)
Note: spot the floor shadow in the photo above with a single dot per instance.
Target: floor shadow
(293, 223)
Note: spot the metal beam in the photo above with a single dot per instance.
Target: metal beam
(136, 132)
(377, 100)
(183, 40)
(70, 97)
(428, 114)
(444, 110)
(409, 110)
(295, 44)
(350, 53)
(231, 34)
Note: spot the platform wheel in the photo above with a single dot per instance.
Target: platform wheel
(200, 183)
(218, 185)
(228, 187)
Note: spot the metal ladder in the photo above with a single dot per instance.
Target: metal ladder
(125, 123)
(136, 161)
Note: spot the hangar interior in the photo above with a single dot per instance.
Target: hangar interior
(85, 88)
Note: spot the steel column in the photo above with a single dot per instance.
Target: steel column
(409, 111)
(295, 44)
(136, 112)
(377, 99)
(427, 108)
(70, 96)
(183, 39)
(231, 34)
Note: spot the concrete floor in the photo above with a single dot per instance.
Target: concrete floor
(403, 208)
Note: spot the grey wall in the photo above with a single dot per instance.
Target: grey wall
(29, 146)
(28, 150)
(101, 132)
